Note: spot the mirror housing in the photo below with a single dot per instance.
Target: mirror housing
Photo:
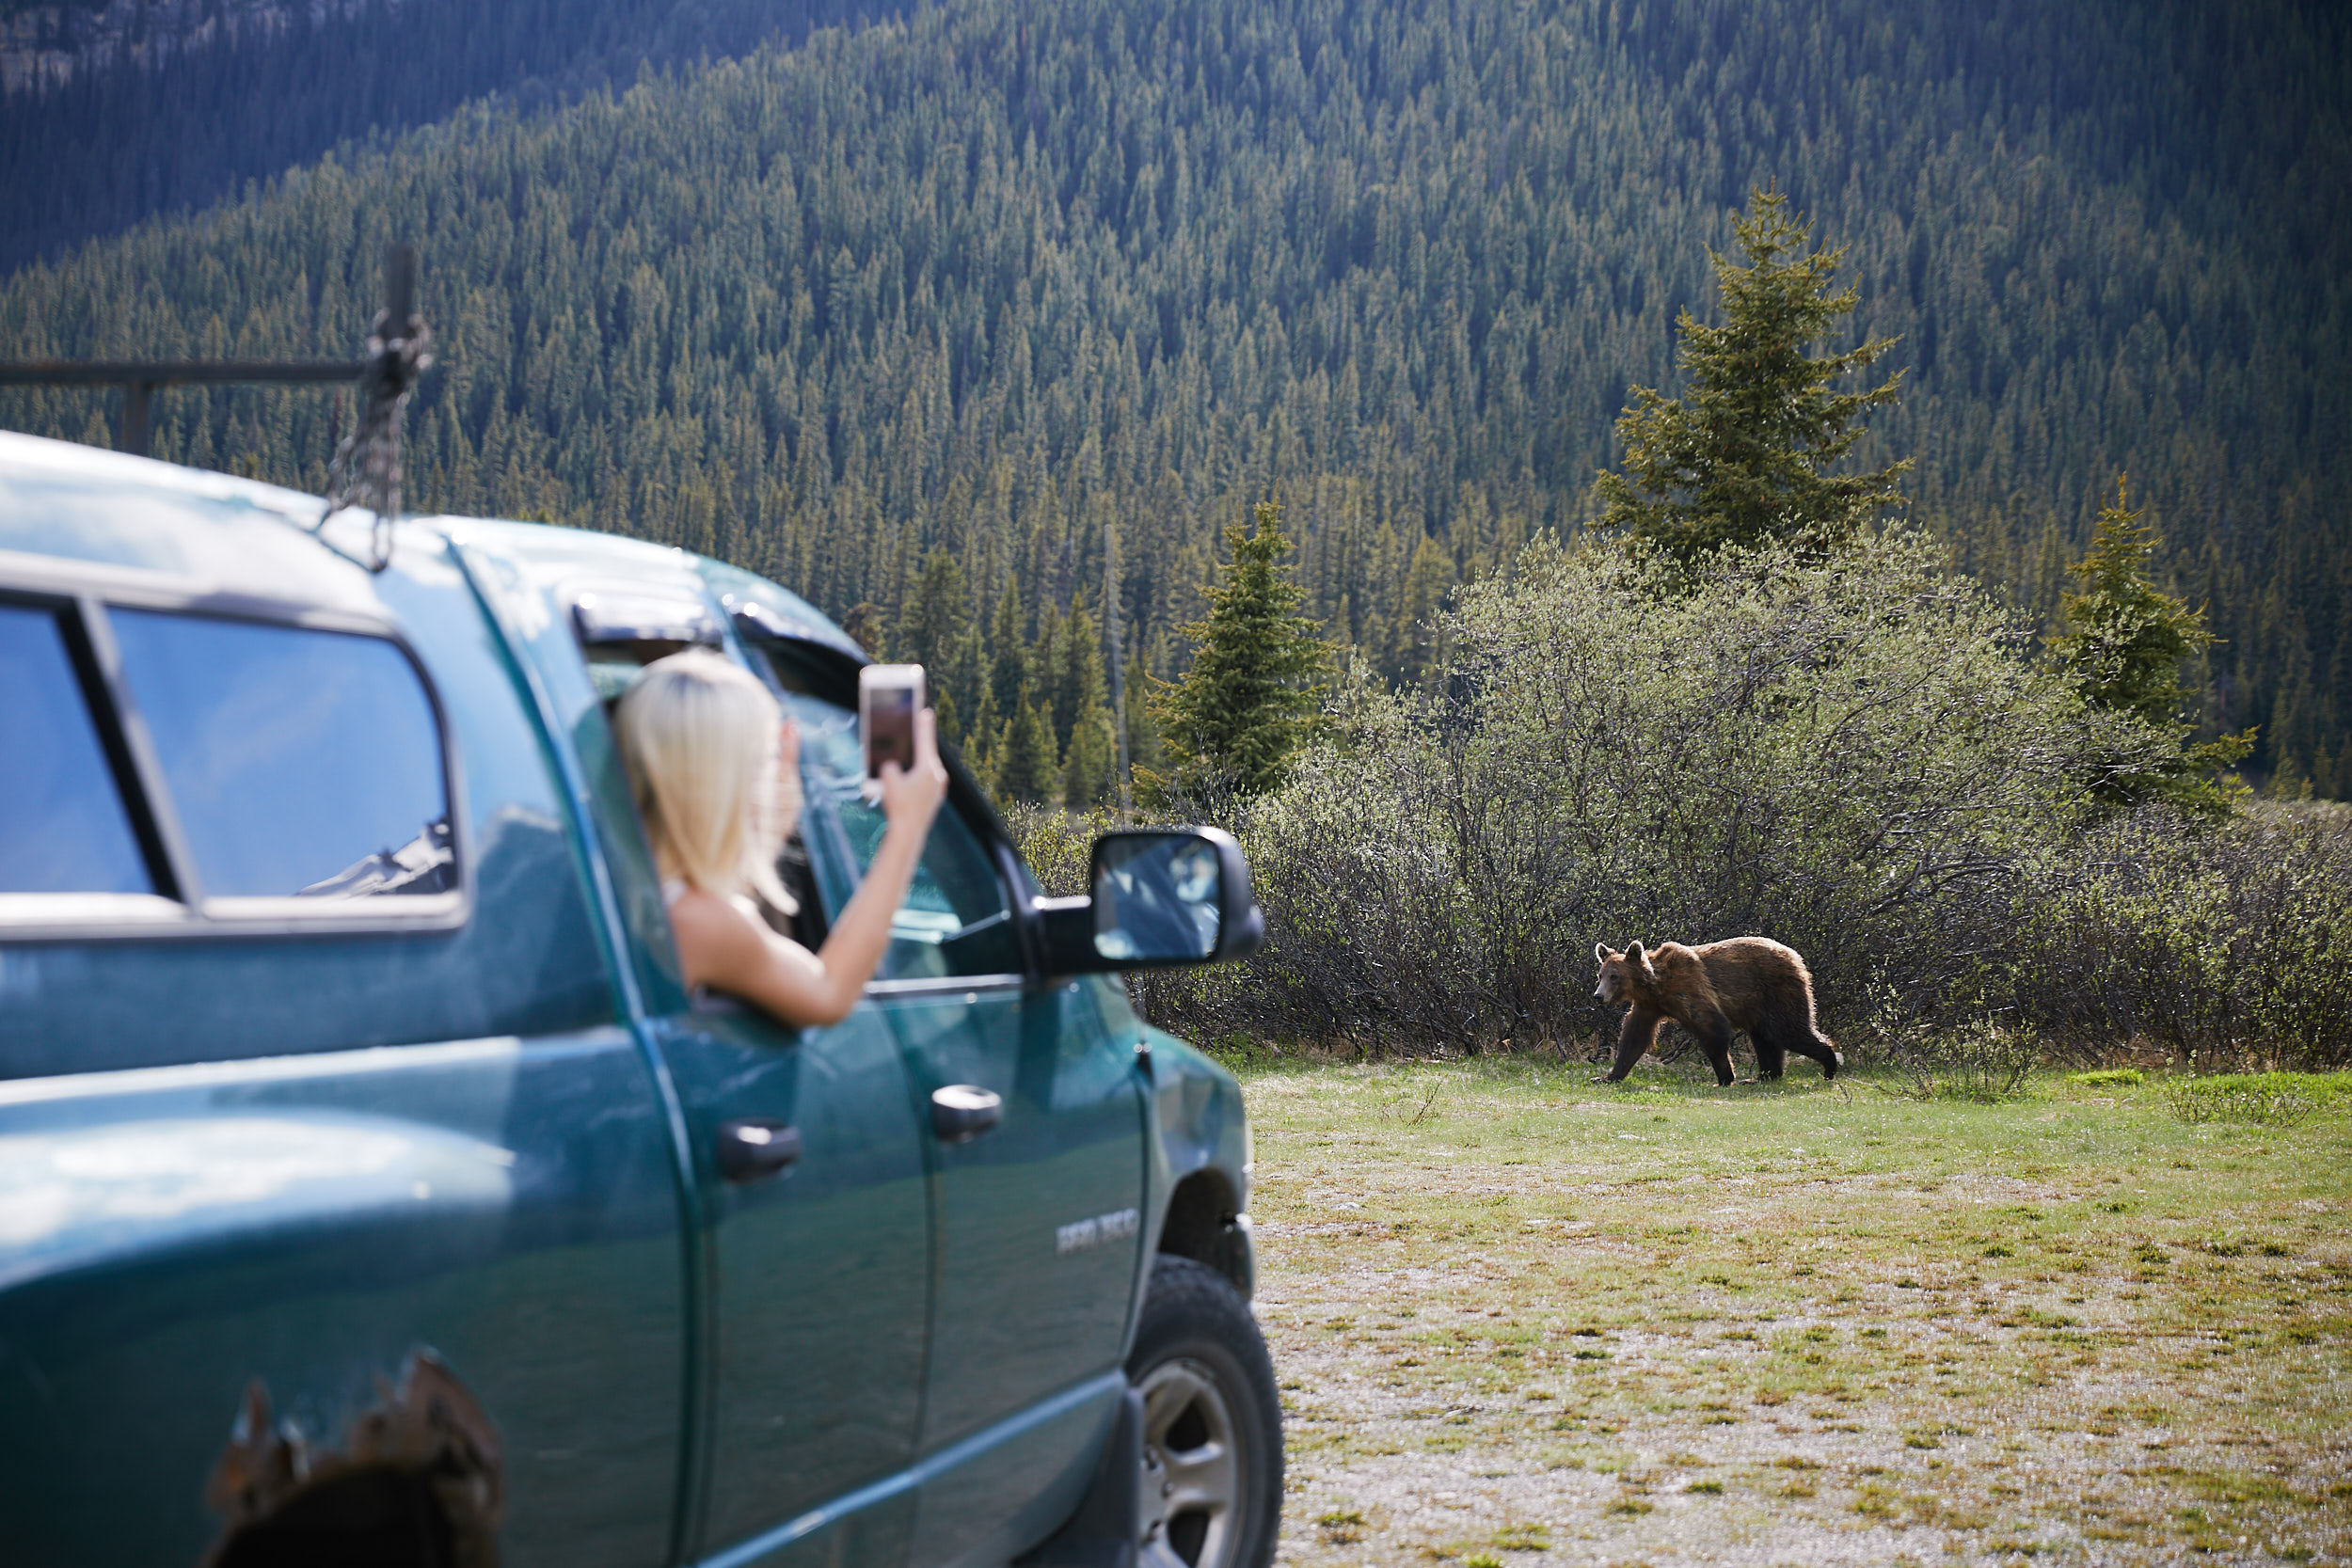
(1163, 898)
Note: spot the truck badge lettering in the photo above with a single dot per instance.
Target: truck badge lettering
(1078, 1235)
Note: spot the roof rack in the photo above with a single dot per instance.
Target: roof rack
(366, 469)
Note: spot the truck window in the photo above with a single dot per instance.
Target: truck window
(302, 763)
(63, 827)
(958, 917)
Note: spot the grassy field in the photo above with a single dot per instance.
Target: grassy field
(1514, 1313)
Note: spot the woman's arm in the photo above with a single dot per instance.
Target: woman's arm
(725, 949)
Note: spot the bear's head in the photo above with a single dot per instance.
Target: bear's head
(1623, 974)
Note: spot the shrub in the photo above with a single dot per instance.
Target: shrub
(2232, 947)
(1850, 755)
(1978, 1060)
(1058, 844)
(1856, 754)
(2259, 1099)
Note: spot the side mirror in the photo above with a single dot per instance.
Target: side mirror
(1161, 898)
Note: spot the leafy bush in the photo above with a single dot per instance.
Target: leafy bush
(1980, 1061)
(1856, 755)
(2259, 1099)
(2231, 946)
(2107, 1077)
(1850, 755)
(1058, 844)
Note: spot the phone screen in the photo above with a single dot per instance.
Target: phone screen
(889, 727)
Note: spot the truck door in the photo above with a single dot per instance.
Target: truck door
(811, 1223)
(1036, 1226)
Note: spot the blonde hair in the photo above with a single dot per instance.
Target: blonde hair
(698, 735)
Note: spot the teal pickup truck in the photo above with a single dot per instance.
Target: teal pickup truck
(371, 1192)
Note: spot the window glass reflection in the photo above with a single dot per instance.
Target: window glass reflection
(1158, 896)
(62, 824)
(956, 918)
(302, 763)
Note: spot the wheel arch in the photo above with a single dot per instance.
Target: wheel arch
(1204, 1223)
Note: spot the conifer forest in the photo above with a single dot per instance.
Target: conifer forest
(980, 324)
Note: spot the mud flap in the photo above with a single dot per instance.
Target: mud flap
(1104, 1531)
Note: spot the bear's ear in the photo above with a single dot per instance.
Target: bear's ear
(1601, 954)
(1640, 960)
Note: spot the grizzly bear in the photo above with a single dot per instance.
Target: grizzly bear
(1750, 983)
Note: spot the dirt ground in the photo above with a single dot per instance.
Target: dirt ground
(1515, 1314)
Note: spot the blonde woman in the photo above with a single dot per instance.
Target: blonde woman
(716, 768)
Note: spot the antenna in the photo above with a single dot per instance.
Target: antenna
(367, 469)
(396, 356)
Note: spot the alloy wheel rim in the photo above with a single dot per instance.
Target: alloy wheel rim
(1191, 1477)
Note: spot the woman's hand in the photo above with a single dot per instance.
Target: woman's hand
(911, 796)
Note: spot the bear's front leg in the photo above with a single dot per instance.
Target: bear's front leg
(1641, 1029)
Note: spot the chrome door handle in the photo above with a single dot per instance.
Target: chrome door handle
(754, 1147)
(961, 1112)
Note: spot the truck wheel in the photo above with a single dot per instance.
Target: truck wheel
(1212, 1484)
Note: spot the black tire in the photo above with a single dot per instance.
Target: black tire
(1211, 1425)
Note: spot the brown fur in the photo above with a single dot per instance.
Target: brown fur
(1751, 983)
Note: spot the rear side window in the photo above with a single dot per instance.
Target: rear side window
(301, 763)
(63, 827)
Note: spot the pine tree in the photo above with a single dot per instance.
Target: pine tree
(1090, 776)
(862, 623)
(1256, 683)
(963, 679)
(1422, 596)
(2124, 643)
(1143, 731)
(1076, 676)
(1027, 767)
(1008, 665)
(1745, 458)
(938, 613)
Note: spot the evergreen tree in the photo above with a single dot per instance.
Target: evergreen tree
(2124, 643)
(1143, 731)
(950, 722)
(938, 613)
(1255, 688)
(1043, 670)
(964, 679)
(1745, 458)
(1079, 686)
(1090, 776)
(1027, 769)
(1008, 667)
(1427, 581)
(862, 623)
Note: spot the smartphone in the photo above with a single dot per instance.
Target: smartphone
(888, 697)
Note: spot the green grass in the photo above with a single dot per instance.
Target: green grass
(1665, 1321)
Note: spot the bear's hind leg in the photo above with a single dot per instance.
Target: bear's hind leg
(1806, 1041)
(1792, 1026)
(1714, 1033)
(1824, 1051)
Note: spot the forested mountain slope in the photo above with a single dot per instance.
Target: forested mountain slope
(1036, 283)
(114, 110)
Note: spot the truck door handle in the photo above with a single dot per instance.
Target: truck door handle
(961, 1112)
(754, 1147)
